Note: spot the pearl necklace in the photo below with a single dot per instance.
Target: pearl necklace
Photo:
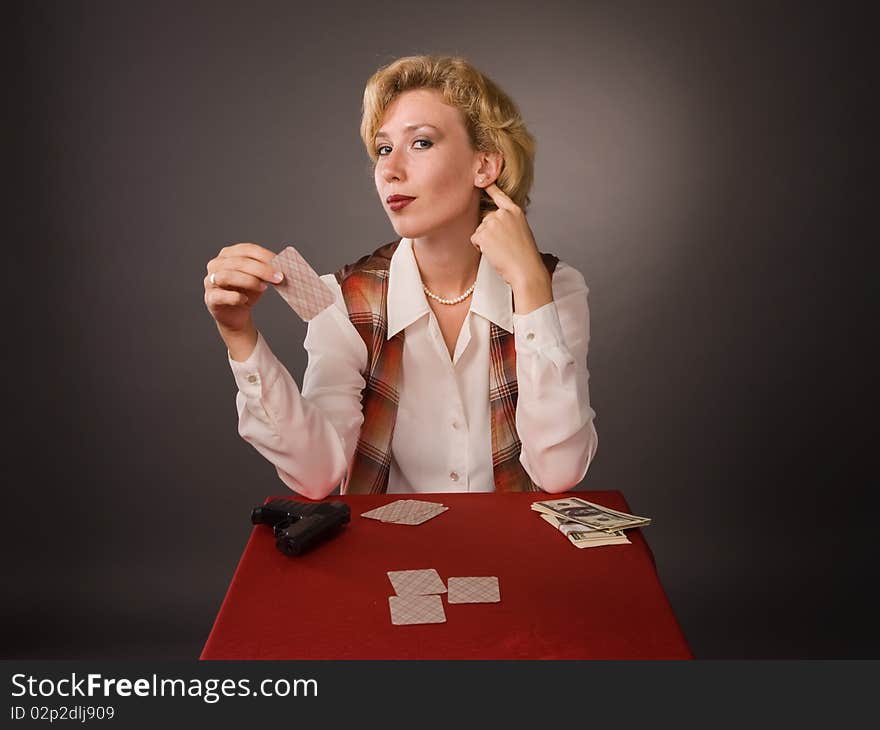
(450, 301)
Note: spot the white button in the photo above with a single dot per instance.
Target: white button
(252, 378)
(453, 476)
(530, 336)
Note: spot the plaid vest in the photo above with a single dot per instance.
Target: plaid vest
(365, 290)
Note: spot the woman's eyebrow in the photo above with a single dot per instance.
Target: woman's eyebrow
(381, 133)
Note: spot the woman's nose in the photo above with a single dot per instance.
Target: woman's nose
(392, 166)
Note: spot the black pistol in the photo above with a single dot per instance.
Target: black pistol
(299, 525)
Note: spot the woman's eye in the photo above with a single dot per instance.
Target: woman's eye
(428, 142)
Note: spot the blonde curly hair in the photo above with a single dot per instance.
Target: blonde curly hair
(491, 118)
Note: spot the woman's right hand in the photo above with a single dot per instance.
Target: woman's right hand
(241, 273)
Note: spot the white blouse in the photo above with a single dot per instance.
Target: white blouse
(442, 436)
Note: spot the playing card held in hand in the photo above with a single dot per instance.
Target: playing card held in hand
(301, 287)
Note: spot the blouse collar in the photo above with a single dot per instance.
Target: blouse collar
(492, 298)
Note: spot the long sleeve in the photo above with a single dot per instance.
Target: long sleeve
(309, 436)
(554, 419)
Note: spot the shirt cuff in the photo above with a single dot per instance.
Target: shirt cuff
(538, 329)
(539, 332)
(260, 368)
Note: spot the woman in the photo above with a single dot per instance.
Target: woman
(454, 357)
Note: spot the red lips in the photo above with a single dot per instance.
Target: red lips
(398, 202)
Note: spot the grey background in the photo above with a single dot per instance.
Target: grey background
(695, 162)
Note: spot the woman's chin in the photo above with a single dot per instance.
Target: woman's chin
(407, 230)
(418, 229)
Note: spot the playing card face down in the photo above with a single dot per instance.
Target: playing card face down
(406, 512)
(482, 589)
(416, 610)
(416, 582)
(301, 287)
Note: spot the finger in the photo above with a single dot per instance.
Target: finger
(482, 227)
(250, 266)
(236, 280)
(225, 298)
(500, 197)
(247, 250)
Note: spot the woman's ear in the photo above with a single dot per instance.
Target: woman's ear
(489, 168)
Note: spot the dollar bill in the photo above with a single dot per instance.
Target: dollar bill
(582, 536)
(592, 515)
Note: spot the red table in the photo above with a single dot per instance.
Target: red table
(557, 601)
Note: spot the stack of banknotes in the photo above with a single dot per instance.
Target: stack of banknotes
(586, 524)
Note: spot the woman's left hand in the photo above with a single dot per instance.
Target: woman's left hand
(506, 240)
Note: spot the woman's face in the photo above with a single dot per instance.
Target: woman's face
(436, 165)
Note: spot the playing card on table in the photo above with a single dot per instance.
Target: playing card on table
(406, 512)
(416, 582)
(416, 513)
(416, 610)
(301, 287)
(474, 590)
